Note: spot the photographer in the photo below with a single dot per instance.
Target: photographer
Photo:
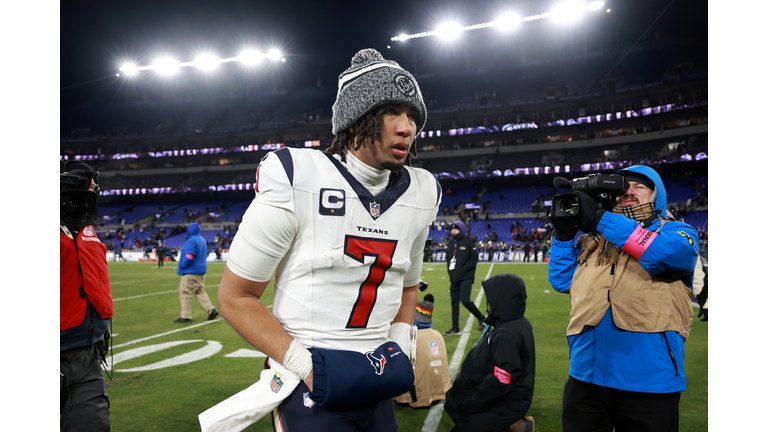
(85, 302)
(629, 281)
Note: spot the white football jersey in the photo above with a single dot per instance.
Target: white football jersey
(341, 282)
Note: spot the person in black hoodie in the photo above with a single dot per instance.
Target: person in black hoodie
(494, 389)
(462, 258)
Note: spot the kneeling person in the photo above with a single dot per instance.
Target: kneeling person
(432, 378)
(494, 389)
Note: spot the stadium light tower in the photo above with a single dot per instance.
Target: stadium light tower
(569, 10)
(168, 66)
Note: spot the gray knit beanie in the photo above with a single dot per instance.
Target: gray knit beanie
(424, 310)
(372, 82)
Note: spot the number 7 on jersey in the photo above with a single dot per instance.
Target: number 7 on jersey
(358, 248)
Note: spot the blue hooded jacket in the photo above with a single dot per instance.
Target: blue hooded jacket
(196, 246)
(611, 357)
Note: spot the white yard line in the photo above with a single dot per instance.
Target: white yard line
(166, 333)
(151, 294)
(170, 332)
(436, 412)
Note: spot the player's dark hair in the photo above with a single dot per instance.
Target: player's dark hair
(367, 128)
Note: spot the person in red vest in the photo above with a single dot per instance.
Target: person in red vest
(85, 301)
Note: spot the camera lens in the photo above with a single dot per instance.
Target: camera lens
(75, 207)
(78, 207)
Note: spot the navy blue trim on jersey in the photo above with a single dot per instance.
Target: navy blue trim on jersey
(285, 158)
(439, 194)
(385, 199)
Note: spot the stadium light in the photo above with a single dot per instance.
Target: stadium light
(507, 21)
(596, 5)
(567, 11)
(129, 69)
(207, 62)
(274, 54)
(250, 57)
(166, 66)
(449, 31)
(169, 66)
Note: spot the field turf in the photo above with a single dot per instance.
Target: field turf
(147, 395)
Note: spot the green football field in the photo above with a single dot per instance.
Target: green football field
(165, 374)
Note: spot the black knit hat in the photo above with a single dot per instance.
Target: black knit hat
(372, 82)
(424, 311)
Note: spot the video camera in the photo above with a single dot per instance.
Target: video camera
(78, 205)
(603, 188)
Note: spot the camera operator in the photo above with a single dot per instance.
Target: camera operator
(85, 302)
(629, 281)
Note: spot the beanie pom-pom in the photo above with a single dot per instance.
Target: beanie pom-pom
(367, 55)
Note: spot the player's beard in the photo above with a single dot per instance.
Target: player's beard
(393, 166)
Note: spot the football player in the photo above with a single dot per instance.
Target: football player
(343, 231)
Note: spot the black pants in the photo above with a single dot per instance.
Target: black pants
(592, 408)
(460, 292)
(298, 413)
(83, 399)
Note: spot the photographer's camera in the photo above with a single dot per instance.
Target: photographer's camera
(78, 206)
(603, 188)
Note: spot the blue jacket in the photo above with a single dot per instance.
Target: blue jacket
(611, 357)
(197, 246)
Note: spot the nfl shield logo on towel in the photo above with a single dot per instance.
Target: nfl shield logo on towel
(375, 209)
(433, 348)
(88, 232)
(276, 383)
(309, 403)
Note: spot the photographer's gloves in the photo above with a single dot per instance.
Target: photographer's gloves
(591, 211)
(565, 230)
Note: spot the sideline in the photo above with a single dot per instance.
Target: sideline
(436, 412)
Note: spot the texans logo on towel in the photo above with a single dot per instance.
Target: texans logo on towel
(277, 383)
(88, 232)
(433, 348)
(377, 363)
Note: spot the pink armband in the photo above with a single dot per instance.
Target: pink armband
(190, 256)
(503, 376)
(638, 242)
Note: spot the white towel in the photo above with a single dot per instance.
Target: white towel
(247, 407)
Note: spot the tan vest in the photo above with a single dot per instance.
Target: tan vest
(433, 379)
(641, 302)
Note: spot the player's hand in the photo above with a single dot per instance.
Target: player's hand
(308, 381)
(591, 211)
(565, 230)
